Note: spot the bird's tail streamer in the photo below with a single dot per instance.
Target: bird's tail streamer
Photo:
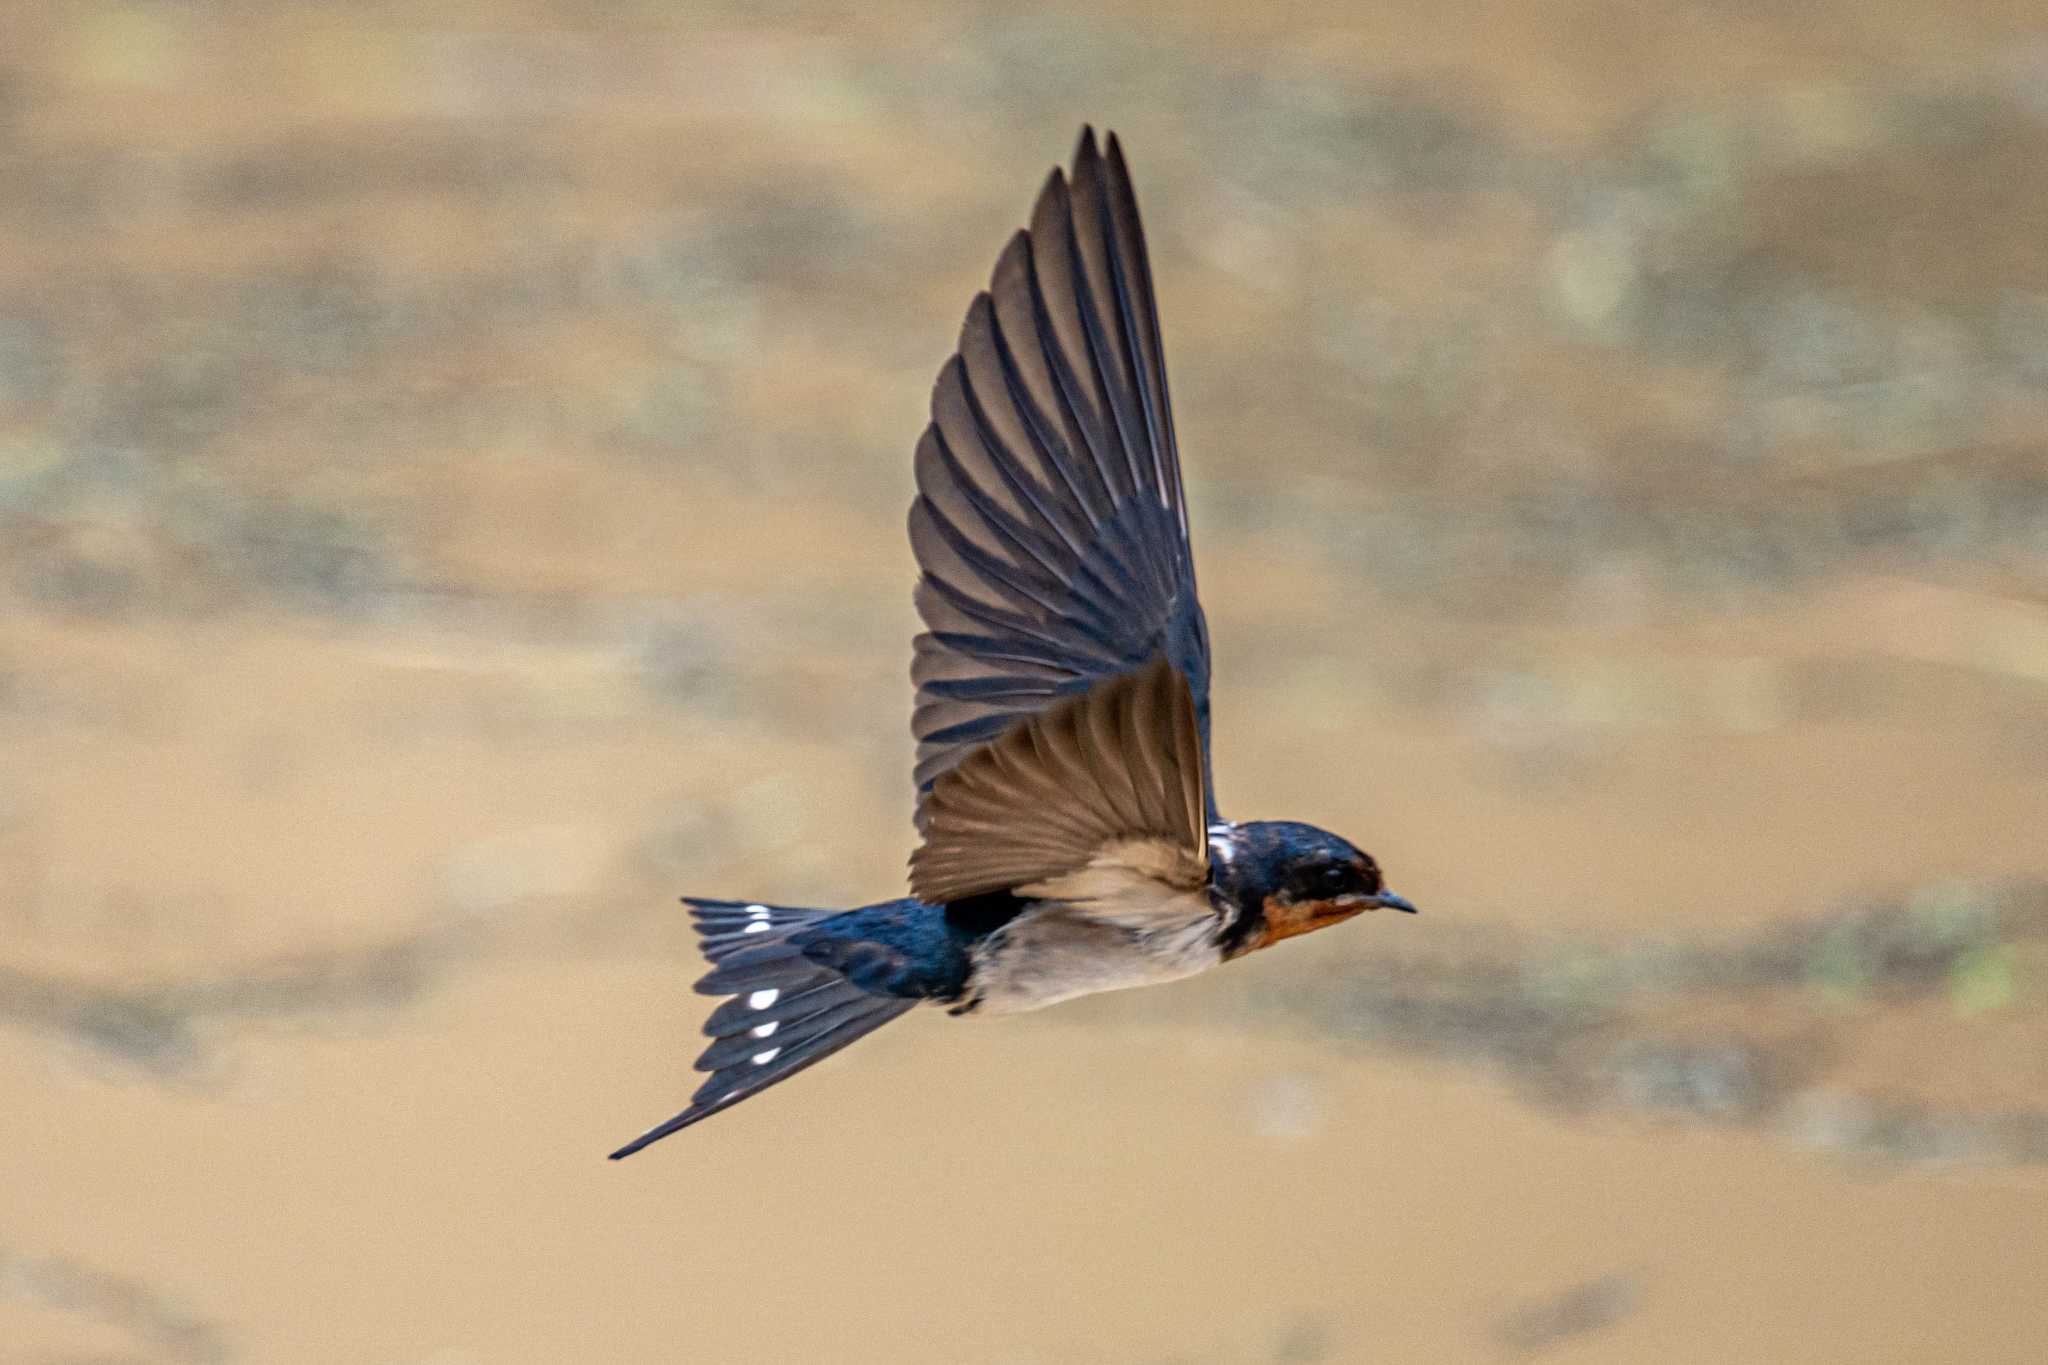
(783, 1011)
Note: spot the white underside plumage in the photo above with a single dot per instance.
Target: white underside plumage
(1056, 951)
(1115, 924)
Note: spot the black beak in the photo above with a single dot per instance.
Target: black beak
(1387, 900)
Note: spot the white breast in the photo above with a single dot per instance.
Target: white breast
(1056, 950)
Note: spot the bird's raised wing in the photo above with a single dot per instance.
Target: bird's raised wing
(1051, 529)
(1074, 801)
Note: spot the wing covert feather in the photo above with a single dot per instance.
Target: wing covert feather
(1119, 764)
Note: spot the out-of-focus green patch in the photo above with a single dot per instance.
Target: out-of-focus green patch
(27, 467)
(1951, 913)
(1580, 981)
(1841, 968)
(1983, 978)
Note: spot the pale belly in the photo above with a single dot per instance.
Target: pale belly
(1052, 953)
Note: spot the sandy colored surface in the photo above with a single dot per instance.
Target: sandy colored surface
(451, 493)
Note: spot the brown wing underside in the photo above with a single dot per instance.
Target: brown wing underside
(1118, 765)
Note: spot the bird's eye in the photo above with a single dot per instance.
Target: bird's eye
(1334, 880)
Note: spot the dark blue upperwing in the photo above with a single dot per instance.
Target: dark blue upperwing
(1050, 523)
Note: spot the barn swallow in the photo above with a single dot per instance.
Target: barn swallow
(1069, 837)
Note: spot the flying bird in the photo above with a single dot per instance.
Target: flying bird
(1070, 841)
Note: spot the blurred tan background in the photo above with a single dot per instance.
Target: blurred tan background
(452, 472)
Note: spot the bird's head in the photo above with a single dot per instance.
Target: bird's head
(1281, 879)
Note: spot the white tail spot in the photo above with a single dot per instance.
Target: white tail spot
(757, 912)
(766, 1030)
(756, 926)
(763, 1058)
(761, 1000)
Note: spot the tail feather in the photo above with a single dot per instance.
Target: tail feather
(725, 927)
(756, 968)
(787, 1012)
(738, 1014)
(827, 1011)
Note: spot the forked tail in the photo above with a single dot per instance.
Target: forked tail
(786, 1011)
